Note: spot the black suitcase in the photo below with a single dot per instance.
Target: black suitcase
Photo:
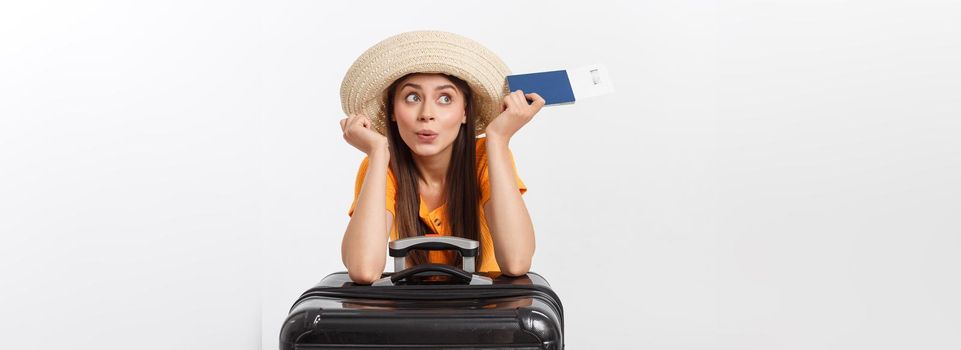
(427, 306)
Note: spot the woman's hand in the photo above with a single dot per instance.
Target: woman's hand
(359, 133)
(515, 115)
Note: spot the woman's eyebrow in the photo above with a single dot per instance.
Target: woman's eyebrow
(448, 86)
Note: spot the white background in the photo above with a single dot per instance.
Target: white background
(768, 175)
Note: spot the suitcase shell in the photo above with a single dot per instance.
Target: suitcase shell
(433, 311)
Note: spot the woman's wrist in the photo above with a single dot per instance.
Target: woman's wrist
(497, 139)
(380, 153)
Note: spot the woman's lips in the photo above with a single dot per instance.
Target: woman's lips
(426, 138)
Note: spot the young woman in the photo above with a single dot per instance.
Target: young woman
(428, 173)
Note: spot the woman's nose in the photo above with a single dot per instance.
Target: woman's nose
(426, 113)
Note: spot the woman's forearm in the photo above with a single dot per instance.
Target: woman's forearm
(507, 216)
(364, 247)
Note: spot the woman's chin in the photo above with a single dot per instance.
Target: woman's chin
(425, 150)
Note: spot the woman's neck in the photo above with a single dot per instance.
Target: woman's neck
(433, 169)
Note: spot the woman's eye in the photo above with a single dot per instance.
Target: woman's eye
(409, 97)
(445, 99)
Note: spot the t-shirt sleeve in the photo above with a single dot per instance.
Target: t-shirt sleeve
(485, 175)
(359, 183)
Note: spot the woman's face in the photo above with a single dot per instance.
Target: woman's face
(425, 105)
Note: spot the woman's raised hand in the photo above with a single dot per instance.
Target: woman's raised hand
(516, 114)
(359, 132)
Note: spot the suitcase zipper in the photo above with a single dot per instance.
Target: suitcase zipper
(391, 293)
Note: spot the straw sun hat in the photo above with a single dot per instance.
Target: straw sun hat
(364, 89)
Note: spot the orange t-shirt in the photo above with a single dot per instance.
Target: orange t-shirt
(437, 219)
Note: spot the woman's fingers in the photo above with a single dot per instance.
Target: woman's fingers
(517, 101)
(538, 101)
(349, 125)
(356, 120)
(519, 98)
(510, 101)
(352, 121)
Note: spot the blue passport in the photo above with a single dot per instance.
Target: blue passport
(554, 86)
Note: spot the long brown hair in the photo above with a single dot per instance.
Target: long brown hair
(462, 191)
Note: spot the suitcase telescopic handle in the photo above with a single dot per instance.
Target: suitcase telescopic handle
(459, 274)
(468, 248)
